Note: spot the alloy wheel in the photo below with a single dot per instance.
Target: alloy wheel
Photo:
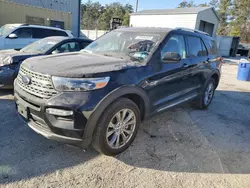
(121, 128)
(209, 93)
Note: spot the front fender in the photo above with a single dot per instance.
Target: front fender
(106, 101)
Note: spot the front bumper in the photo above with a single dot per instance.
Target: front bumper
(69, 129)
(52, 136)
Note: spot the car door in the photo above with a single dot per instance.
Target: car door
(199, 64)
(170, 83)
(24, 37)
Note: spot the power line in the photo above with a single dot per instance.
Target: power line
(136, 8)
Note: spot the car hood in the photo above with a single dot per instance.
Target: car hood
(76, 64)
(8, 52)
(15, 55)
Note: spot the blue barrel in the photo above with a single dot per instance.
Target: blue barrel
(244, 71)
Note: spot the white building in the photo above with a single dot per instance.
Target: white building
(200, 18)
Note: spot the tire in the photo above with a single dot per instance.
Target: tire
(201, 102)
(108, 123)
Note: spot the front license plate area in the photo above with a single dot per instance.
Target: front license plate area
(22, 111)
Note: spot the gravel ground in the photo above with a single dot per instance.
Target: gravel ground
(182, 147)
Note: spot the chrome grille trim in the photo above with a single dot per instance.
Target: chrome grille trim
(40, 86)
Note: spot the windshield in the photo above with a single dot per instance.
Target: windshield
(125, 44)
(6, 29)
(40, 46)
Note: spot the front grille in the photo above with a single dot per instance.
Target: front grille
(41, 85)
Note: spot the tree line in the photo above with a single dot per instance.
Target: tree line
(234, 16)
(97, 16)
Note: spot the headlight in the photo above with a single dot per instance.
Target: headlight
(79, 84)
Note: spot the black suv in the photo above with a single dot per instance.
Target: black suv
(102, 94)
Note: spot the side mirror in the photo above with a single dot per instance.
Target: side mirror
(171, 56)
(55, 52)
(12, 36)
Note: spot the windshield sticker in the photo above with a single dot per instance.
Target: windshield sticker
(144, 37)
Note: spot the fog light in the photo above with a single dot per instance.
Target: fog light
(59, 112)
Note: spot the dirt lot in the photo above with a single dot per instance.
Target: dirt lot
(183, 147)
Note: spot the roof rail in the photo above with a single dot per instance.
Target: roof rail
(192, 30)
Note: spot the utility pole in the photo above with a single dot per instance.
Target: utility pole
(136, 8)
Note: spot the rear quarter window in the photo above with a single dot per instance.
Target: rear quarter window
(211, 46)
(60, 33)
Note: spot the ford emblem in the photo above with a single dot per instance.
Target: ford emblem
(26, 80)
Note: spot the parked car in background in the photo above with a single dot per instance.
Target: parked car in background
(10, 60)
(17, 36)
(244, 50)
(101, 95)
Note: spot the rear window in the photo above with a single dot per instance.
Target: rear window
(211, 46)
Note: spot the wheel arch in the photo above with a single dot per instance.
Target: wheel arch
(133, 93)
(216, 76)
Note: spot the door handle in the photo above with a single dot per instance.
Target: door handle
(186, 65)
(207, 61)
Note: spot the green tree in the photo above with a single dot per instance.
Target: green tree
(186, 4)
(126, 18)
(214, 3)
(114, 10)
(90, 14)
(223, 12)
(240, 24)
(203, 5)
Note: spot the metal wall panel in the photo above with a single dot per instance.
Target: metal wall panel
(19, 13)
(61, 5)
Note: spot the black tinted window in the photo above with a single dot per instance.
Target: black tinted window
(84, 44)
(194, 46)
(42, 33)
(204, 49)
(23, 33)
(39, 33)
(175, 44)
(59, 33)
(211, 46)
(68, 47)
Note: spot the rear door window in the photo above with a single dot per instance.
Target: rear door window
(204, 49)
(23, 33)
(194, 46)
(39, 33)
(59, 33)
(211, 46)
(42, 33)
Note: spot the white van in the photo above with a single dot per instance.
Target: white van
(17, 36)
